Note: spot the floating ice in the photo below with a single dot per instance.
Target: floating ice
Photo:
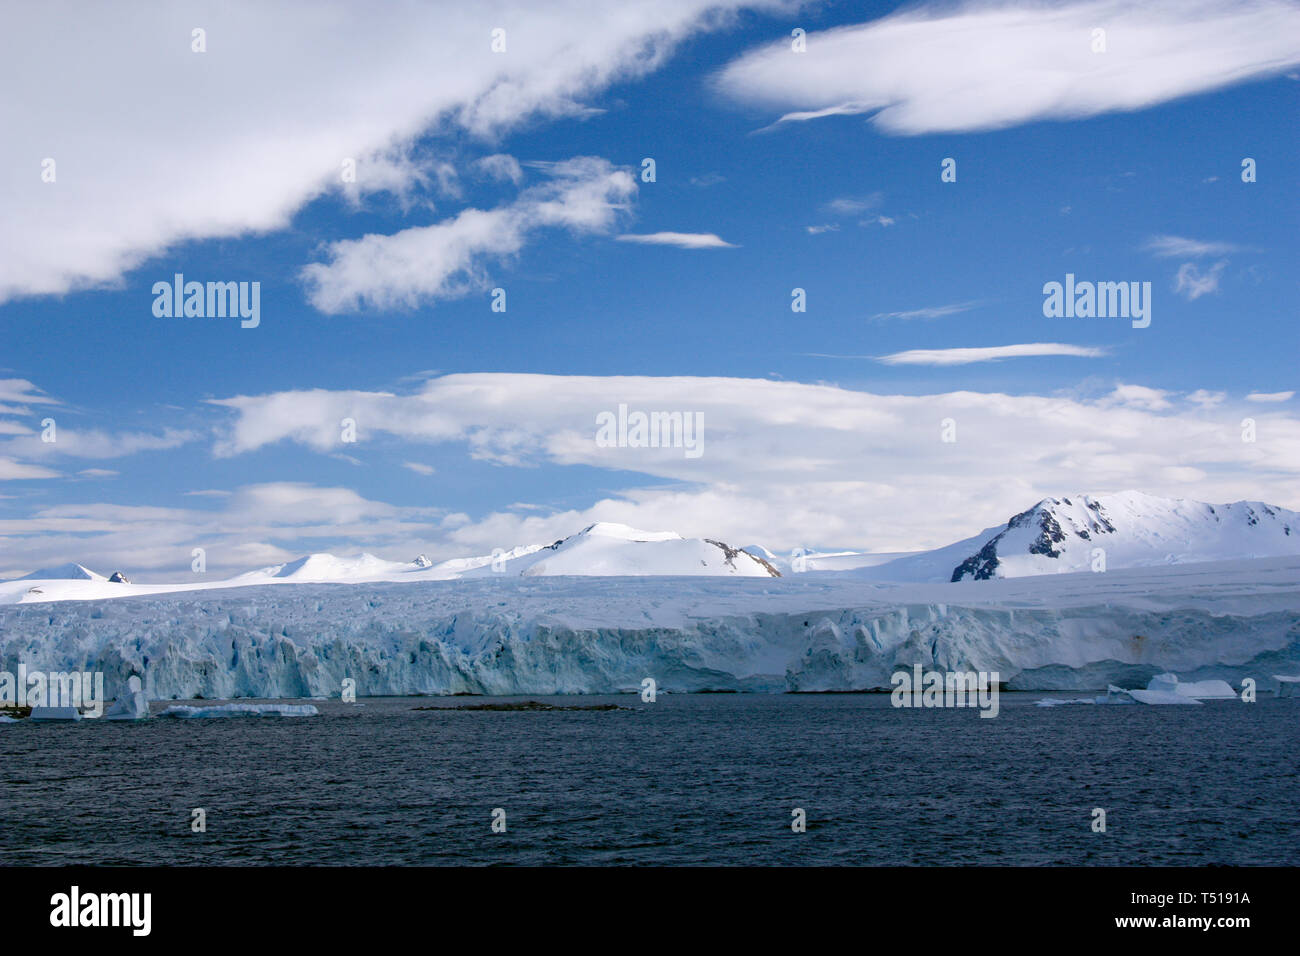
(1200, 689)
(131, 705)
(1162, 689)
(54, 713)
(1052, 702)
(241, 710)
(1162, 697)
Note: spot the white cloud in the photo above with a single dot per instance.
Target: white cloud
(1270, 397)
(991, 354)
(25, 450)
(11, 470)
(21, 391)
(248, 528)
(448, 259)
(785, 464)
(94, 443)
(1206, 398)
(792, 464)
(1139, 396)
(1177, 247)
(419, 467)
(989, 65)
(818, 230)
(155, 144)
(682, 240)
(1193, 282)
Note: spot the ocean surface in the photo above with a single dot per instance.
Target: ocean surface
(688, 779)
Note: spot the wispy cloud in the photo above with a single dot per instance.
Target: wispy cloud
(1270, 397)
(914, 70)
(707, 180)
(933, 312)
(1193, 282)
(448, 259)
(682, 240)
(853, 205)
(991, 354)
(1177, 247)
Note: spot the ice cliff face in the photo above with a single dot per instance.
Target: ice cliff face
(603, 635)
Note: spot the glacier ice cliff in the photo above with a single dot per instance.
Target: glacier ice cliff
(1224, 621)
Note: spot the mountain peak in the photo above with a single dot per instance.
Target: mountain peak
(1128, 529)
(64, 572)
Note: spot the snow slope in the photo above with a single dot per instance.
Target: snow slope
(522, 634)
(1132, 529)
(615, 549)
(64, 572)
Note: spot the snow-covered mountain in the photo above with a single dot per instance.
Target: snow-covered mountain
(1079, 533)
(603, 549)
(606, 548)
(64, 572)
(1085, 533)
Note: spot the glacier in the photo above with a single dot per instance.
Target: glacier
(599, 635)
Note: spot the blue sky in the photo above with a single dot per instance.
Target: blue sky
(817, 441)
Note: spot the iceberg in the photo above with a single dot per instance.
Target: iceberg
(241, 710)
(54, 713)
(1162, 689)
(1285, 683)
(1200, 690)
(1162, 697)
(1052, 702)
(132, 705)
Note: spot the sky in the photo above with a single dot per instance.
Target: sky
(837, 266)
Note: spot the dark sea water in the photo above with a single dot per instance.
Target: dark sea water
(685, 780)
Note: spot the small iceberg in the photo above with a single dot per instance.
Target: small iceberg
(1286, 684)
(241, 710)
(131, 705)
(1162, 689)
(1199, 689)
(1114, 695)
(54, 713)
(1053, 702)
(1162, 697)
